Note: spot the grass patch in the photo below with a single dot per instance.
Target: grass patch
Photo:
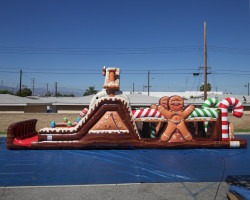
(242, 130)
(3, 133)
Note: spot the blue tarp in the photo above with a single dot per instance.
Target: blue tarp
(244, 193)
(79, 167)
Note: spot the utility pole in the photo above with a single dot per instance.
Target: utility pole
(147, 86)
(20, 84)
(148, 81)
(186, 83)
(55, 89)
(248, 89)
(33, 86)
(205, 61)
(133, 87)
(47, 89)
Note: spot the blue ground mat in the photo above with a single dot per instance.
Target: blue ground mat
(241, 192)
(79, 167)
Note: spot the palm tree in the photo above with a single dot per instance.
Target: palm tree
(209, 87)
(91, 90)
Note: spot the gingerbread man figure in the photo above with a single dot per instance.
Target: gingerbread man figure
(164, 102)
(175, 113)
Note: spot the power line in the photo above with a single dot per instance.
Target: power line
(118, 50)
(89, 51)
(229, 50)
(136, 72)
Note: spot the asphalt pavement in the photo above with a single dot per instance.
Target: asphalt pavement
(159, 191)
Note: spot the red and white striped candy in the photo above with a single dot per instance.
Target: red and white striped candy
(84, 112)
(237, 110)
(146, 113)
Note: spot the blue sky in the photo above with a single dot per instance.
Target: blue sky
(69, 42)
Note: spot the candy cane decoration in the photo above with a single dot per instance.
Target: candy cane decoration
(237, 108)
(201, 112)
(207, 109)
(146, 113)
(210, 103)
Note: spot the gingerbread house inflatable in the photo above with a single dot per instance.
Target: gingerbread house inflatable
(110, 123)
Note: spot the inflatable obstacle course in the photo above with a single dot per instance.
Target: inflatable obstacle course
(110, 123)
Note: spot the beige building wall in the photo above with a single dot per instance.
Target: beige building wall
(10, 109)
(35, 109)
(69, 108)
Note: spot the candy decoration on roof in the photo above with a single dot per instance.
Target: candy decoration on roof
(69, 124)
(52, 124)
(65, 119)
(84, 112)
(78, 119)
(237, 110)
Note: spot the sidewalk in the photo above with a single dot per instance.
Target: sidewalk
(170, 191)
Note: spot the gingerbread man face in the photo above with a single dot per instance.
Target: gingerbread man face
(164, 102)
(176, 103)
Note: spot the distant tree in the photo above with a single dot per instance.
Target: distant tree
(69, 95)
(48, 94)
(58, 94)
(5, 92)
(209, 87)
(91, 90)
(24, 92)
